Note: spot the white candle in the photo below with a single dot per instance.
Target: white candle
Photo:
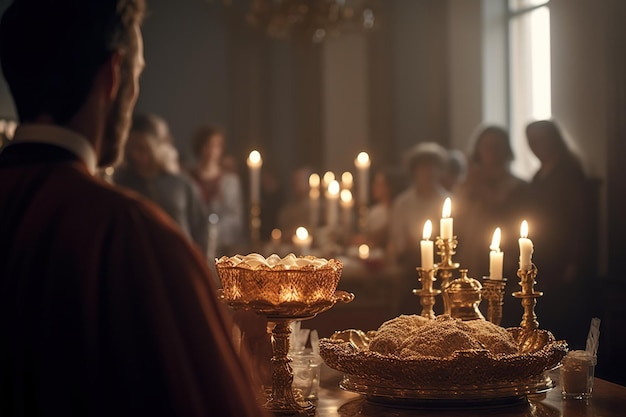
(426, 246)
(347, 180)
(362, 164)
(314, 207)
(496, 256)
(347, 203)
(525, 248)
(254, 164)
(445, 224)
(302, 240)
(332, 207)
(314, 199)
(364, 251)
(328, 177)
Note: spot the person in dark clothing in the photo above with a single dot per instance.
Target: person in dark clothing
(559, 220)
(106, 309)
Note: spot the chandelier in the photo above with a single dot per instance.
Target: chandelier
(311, 20)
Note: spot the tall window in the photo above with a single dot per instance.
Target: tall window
(530, 86)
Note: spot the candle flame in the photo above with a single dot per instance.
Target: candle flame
(302, 233)
(495, 241)
(428, 230)
(254, 158)
(346, 196)
(362, 160)
(333, 188)
(447, 208)
(347, 179)
(364, 251)
(523, 230)
(329, 177)
(276, 234)
(314, 180)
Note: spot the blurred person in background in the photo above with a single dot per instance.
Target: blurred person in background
(296, 211)
(221, 191)
(387, 184)
(561, 201)
(421, 201)
(456, 170)
(150, 168)
(491, 196)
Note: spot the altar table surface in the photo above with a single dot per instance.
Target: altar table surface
(608, 400)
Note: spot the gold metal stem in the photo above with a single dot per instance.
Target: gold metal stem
(427, 294)
(282, 401)
(529, 296)
(493, 292)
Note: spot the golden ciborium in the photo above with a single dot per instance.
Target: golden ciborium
(282, 290)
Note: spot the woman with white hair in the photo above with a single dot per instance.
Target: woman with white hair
(151, 168)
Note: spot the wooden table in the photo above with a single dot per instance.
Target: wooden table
(609, 400)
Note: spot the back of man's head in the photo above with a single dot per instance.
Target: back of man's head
(51, 51)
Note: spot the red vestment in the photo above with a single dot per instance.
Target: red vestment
(105, 308)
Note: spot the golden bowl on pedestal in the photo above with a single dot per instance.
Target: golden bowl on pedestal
(303, 289)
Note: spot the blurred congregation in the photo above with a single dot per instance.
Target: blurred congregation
(420, 99)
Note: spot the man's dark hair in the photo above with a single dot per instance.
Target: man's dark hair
(50, 51)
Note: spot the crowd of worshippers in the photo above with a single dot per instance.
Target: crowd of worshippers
(206, 198)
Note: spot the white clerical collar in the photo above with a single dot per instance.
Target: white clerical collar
(58, 136)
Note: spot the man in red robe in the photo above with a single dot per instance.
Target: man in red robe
(105, 308)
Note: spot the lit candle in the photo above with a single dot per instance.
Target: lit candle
(364, 251)
(347, 203)
(426, 246)
(328, 177)
(362, 164)
(525, 248)
(314, 181)
(347, 180)
(332, 208)
(254, 163)
(302, 240)
(445, 223)
(496, 256)
(277, 235)
(314, 199)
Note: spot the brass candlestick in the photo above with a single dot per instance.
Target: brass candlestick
(529, 296)
(446, 248)
(427, 294)
(493, 292)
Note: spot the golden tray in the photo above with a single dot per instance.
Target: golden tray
(473, 375)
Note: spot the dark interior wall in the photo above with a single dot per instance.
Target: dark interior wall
(186, 75)
(418, 30)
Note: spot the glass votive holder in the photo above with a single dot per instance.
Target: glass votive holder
(306, 373)
(577, 375)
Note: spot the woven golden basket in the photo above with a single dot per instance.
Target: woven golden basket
(348, 352)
